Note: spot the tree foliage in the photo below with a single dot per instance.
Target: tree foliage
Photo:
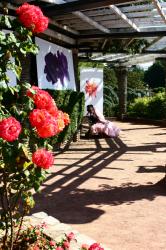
(155, 75)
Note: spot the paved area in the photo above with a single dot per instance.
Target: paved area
(106, 188)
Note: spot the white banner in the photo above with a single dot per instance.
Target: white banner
(54, 66)
(91, 83)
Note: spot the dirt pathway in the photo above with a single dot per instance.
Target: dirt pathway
(106, 189)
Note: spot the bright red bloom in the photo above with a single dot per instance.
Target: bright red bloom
(43, 100)
(48, 129)
(43, 158)
(59, 248)
(70, 236)
(10, 129)
(95, 246)
(38, 117)
(66, 119)
(29, 92)
(66, 245)
(32, 17)
(53, 110)
(91, 88)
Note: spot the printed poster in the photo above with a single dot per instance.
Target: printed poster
(91, 83)
(55, 68)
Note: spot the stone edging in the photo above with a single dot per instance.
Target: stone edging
(56, 230)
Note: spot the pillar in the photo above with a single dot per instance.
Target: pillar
(121, 73)
(76, 70)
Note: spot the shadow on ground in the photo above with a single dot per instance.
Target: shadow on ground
(64, 199)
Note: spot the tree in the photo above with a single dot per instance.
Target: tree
(155, 75)
(136, 78)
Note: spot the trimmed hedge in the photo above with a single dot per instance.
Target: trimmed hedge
(73, 103)
(149, 107)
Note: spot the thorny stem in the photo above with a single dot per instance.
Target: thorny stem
(4, 208)
(18, 233)
(9, 212)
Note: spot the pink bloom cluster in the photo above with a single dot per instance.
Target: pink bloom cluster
(32, 18)
(94, 246)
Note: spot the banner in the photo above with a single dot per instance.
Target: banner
(91, 83)
(54, 66)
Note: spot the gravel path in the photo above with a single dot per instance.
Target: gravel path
(106, 188)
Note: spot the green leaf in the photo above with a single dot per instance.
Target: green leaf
(26, 165)
(2, 36)
(5, 21)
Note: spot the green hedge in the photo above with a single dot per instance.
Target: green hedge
(149, 107)
(73, 103)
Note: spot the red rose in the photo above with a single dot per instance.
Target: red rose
(53, 110)
(59, 248)
(66, 245)
(71, 236)
(43, 158)
(41, 25)
(95, 246)
(38, 117)
(10, 129)
(66, 119)
(22, 8)
(43, 100)
(48, 129)
(30, 91)
(32, 17)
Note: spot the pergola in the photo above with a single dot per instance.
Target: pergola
(103, 30)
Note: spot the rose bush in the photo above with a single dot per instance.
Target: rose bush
(25, 126)
(25, 154)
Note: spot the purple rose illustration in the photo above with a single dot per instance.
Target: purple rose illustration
(56, 67)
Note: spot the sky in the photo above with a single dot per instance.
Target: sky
(145, 66)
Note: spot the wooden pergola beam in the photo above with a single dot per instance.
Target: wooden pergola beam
(122, 16)
(120, 35)
(159, 9)
(91, 21)
(80, 5)
(143, 52)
